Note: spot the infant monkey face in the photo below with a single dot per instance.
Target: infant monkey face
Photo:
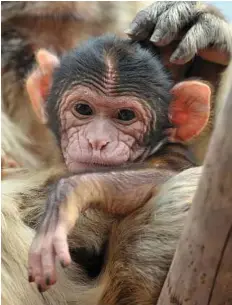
(111, 102)
(99, 130)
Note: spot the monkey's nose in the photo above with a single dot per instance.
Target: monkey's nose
(98, 144)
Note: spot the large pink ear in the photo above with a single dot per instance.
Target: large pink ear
(40, 80)
(189, 110)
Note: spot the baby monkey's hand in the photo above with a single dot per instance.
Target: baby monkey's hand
(66, 199)
(117, 192)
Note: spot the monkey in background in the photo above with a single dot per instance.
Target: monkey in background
(27, 215)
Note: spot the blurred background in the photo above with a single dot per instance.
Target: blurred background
(225, 7)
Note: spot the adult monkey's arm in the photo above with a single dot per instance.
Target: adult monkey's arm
(194, 40)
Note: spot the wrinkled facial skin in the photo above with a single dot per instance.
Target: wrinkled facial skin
(108, 104)
(99, 130)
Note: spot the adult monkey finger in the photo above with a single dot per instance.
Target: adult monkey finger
(203, 27)
(209, 34)
(144, 22)
(162, 18)
(171, 22)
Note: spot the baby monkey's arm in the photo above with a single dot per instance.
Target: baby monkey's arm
(117, 192)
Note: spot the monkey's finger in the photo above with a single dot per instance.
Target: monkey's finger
(48, 264)
(47, 252)
(34, 262)
(202, 35)
(35, 270)
(60, 243)
(144, 22)
(171, 22)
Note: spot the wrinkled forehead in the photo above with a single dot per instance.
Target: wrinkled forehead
(114, 71)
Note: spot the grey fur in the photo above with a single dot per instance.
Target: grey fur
(163, 21)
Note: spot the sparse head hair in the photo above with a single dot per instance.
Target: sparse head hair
(114, 67)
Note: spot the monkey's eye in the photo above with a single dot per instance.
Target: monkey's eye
(125, 115)
(83, 109)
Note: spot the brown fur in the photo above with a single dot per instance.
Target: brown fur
(139, 252)
(23, 202)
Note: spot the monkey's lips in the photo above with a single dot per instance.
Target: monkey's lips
(94, 164)
(80, 165)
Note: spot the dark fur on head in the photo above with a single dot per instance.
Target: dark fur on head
(137, 71)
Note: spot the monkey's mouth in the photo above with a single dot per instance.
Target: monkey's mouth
(94, 164)
(96, 161)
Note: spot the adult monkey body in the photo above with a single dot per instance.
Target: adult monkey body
(81, 283)
(133, 249)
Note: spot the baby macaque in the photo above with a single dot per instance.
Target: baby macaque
(121, 126)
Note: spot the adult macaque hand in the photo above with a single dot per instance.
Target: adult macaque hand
(200, 29)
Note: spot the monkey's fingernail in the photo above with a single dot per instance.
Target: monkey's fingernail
(176, 58)
(179, 59)
(39, 287)
(156, 36)
(47, 280)
(155, 39)
(132, 29)
(30, 279)
(176, 55)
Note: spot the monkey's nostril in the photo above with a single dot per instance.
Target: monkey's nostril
(98, 144)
